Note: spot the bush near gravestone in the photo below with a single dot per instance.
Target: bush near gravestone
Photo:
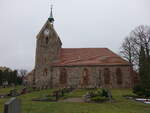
(13, 93)
(141, 91)
(100, 95)
(104, 93)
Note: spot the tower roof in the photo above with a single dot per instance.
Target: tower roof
(51, 18)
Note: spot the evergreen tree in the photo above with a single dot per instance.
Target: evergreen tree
(143, 88)
(10, 76)
(15, 73)
(0, 77)
(142, 65)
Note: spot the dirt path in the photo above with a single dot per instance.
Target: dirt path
(72, 100)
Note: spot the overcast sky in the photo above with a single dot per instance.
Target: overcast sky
(79, 23)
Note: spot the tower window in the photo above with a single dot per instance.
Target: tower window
(47, 40)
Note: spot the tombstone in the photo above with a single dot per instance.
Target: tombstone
(109, 95)
(13, 106)
(5, 84)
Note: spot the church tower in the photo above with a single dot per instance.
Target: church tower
(48, 44)
(48, 48)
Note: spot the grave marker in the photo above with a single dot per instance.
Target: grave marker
(13, 106)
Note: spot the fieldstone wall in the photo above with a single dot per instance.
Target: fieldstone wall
(43, 77)
(95, 77)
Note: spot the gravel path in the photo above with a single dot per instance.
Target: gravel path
(72, 100)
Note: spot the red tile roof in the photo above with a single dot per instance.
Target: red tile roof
(89, 56)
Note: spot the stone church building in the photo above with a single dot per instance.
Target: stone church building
(57, 67)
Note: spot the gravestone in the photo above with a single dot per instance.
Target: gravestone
(109, 95)
(13, 106)
(5, 84)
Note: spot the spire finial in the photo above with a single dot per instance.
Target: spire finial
(51, 18)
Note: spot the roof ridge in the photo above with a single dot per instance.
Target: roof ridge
(85, 48)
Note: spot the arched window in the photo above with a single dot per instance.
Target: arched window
(119, 76)
(99, 78)
(47, 40)
(106, 76)
(85, 77)
(63, 76)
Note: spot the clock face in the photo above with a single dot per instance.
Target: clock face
(46, 32)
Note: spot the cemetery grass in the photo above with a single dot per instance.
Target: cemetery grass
(121, 105)
(6, 90)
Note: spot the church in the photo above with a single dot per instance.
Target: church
(57, 67)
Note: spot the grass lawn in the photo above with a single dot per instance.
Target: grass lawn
(120, 106)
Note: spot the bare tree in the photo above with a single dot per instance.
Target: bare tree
(130, 48)
(126, 50)
(22, 72)
(141, 37)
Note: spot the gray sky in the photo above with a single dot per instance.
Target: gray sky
(79, 23)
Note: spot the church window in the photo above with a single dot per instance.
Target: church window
(106, 76)
(119, 76)
(99, 78)
(63, 76)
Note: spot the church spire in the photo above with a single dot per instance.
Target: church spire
(51, 18)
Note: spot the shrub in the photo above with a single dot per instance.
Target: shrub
(91, 93)
(104, 93)
(100, 95)
(141, 91)
(99, 92)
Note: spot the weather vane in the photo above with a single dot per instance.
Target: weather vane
(51, 6)
(51, 1)
(51, 18)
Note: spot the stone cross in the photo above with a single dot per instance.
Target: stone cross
(13, 106)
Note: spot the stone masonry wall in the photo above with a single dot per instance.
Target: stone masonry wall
(95, 77)
(51, 79)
